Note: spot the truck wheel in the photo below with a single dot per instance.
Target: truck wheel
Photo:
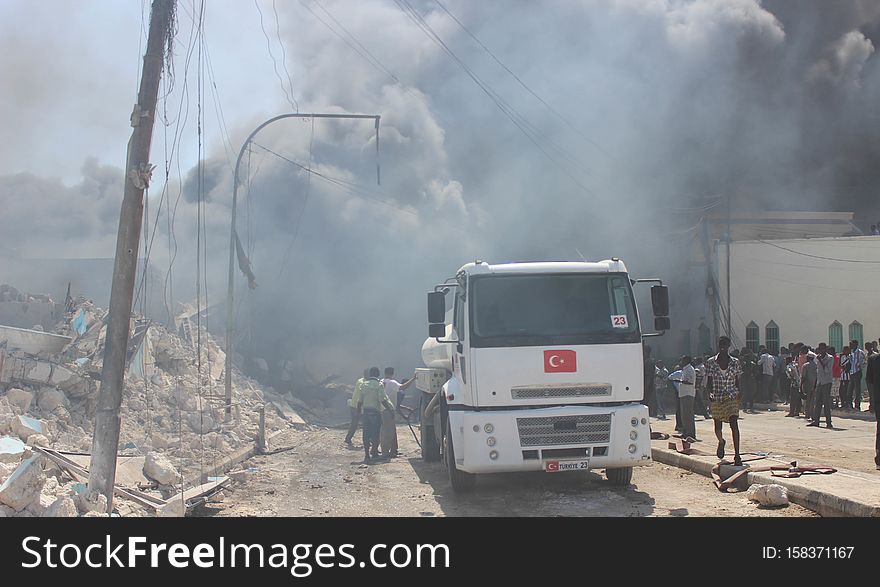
(619, 477)
(430, 446)
(462, 482)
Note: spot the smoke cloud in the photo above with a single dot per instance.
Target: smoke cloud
(666, 103)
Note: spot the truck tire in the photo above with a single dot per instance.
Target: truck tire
(462, 482)
(619, 477)
(430, 446)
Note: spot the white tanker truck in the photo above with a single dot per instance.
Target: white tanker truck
(541, 367)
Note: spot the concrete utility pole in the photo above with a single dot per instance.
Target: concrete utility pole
(230, 296)
(102, 468)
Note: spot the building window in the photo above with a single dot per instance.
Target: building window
(753, 333)
(855, 333)
(835, 335)
(771, 336)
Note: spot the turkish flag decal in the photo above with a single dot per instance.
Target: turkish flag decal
(560, 361)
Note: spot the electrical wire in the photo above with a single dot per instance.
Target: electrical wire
(288, 94)
(819, 256)
(555, 112)
(352, 188)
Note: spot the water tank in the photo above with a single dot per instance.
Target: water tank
(438, 354)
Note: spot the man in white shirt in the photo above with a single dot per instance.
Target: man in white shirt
(767, 364)
(686, 394)
(394, 388)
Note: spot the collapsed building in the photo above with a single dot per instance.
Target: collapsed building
(175, 434)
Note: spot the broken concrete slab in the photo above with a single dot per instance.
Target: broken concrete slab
(11, 449)
(23, 487)
(62, 507)
(20, 399)
(25, 426)
(49, 399)
(173, 508)
(37, 440)
(90, 502)
(158, 468)
(33, 341)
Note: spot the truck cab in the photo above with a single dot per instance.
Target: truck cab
(536, 366)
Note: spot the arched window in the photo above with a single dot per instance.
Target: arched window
(771, 336)
(855, 332)
(753, 333)
(835, 335)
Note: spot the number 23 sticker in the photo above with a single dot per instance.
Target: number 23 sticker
(619, 321)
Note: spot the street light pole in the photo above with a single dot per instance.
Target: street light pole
(230, 296)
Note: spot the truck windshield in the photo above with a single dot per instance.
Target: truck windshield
(526, 310)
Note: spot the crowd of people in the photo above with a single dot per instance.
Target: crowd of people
(811, 381)
(371, 406)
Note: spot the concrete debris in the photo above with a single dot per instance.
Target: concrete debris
(172, 414)
(49, 399)
(768, 495)
(37, 440)
(158, 468)
(25, 426)
(11, 450)
(62, 507)
(90, 502)
(23, 487)
(20, 399)
(175, 508)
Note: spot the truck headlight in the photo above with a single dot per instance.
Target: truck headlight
(632, 449)
(490, 441)
(634, 422)
(476, 427)
(633, 434)
(644, 421)
(488, 429)
(493, 455)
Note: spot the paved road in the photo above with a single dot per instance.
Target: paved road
(320, 477)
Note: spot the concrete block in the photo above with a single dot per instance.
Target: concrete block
(23, 487)
(37, 440)
(88, 503)
(11, 449)
(175, 508)
(62, 507)
(48, 399)
(20, 399)
(768, 495)
(24, 426)
(160, 469)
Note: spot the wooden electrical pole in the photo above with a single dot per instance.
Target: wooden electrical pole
(102, 469)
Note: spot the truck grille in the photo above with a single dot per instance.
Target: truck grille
(564, 430)
(574, 390)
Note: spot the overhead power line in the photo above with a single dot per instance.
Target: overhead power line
(819, 256)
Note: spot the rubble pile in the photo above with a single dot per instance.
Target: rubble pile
(173, 411)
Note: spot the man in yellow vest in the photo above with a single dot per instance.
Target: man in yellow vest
(370, 403)
(353, 407)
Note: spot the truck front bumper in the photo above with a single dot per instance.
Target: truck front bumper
(496, 441)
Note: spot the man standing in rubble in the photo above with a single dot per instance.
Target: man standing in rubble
(370, 403)
(353, 406)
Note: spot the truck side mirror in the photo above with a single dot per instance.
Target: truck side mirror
(436, 330)
(660, 301)
(437, 308)
(661, 323)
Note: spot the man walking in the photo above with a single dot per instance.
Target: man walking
(845, 358)
(372, 400)
(809, 376)
(872, 378)
(824, 375)
(794, 387)
(857, 364)
(686, 395)
(767, 364)
(353, 407)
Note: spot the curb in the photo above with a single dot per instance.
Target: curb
(821, 502)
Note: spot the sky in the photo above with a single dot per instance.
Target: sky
(510, 131)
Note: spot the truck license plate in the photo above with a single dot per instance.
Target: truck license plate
(556, 466)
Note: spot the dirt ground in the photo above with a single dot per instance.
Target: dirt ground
(319, 476)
